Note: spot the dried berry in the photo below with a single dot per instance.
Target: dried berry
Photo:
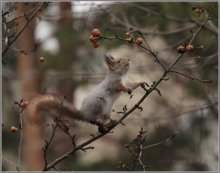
(181, 49)
(139, 41)
(14, 129)
(127, 34)
(189, 48)
(96, 32)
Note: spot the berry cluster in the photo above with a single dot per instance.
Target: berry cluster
(186, 48)
(138, 41)
(95, 34)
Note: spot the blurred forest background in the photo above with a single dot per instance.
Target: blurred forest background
(70, 66)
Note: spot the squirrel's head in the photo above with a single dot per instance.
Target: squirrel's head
(118, 66)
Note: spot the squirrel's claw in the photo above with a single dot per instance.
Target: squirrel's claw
(105, 128)
(142, 84)
(102, 129)
(129, 91)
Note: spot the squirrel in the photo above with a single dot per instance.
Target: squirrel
(97, 105)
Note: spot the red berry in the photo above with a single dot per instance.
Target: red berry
(181, 49)
(127, 34)
(41, 59)
(14, 129)
(139, 41)
(96, 32)
(189, 48)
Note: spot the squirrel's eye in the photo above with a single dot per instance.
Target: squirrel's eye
(119, 61)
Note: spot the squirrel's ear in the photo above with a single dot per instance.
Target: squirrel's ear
(109, 59)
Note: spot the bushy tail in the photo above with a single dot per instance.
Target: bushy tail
(54, 106)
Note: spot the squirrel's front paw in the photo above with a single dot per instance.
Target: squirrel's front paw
(143, 83)
(129, 91)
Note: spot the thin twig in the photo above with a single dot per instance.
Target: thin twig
(23, 28)
(21, 139)
(147, 49)
(22, 15)
(47, 143)
(151, 11)
(66, 131)
(192, 78)
(159, 143)
(159, 118)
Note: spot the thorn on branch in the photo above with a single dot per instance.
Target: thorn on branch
(166, 79)
(139, 107)
(153, 83)
(87, 148)
(155, 53)
(158, 91)
(122, 123)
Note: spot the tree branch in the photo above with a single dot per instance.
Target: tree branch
(147, 92)
(44, 4)
(192, 78)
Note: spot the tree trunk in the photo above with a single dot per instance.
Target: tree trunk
(30, 84)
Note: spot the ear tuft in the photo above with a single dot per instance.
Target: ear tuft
(109, 59)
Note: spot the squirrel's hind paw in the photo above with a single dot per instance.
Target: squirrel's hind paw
(102, 129)
(105, 128)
